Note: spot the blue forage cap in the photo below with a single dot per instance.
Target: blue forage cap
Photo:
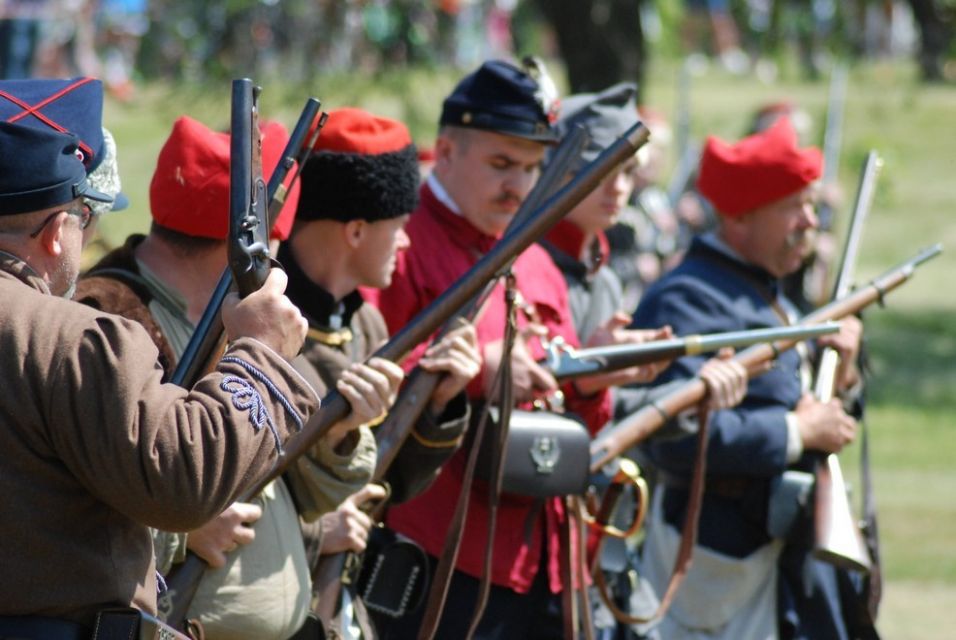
(74, 105)
(40, 169)
(605, 116)
(503, 98)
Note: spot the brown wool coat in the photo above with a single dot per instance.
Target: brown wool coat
(263, 591)
(416, 465)
(96, 449)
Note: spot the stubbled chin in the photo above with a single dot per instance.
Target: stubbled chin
(500, 222)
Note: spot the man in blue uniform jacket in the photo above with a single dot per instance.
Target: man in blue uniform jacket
(764, 189)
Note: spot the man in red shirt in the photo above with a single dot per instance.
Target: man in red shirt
(494, 129)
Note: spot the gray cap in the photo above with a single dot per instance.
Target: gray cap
(605, 116)
(105, 178)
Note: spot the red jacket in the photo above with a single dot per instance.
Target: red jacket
(444, 246)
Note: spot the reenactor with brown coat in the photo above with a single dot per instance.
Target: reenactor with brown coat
(97, 449)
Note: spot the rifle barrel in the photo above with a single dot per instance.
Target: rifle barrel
(864, 201)
(582, 362)
(248, 249)
(643, 423)
(290, 156)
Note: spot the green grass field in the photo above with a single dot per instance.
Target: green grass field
(912, 395)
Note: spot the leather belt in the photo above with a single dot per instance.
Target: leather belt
(39, 628)
(733, 487)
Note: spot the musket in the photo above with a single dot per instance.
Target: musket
(688, 153)
(567, 363)
(645, 422)
(248, 242)
(250, 220)
(837, 536)
(207, 339)
(832, 139)
(420, 384)
(334, 407)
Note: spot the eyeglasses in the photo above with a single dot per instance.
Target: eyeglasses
(83, 212)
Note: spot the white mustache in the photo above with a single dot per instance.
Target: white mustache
(802, 239)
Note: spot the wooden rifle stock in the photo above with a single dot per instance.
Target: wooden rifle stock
(837, 536)
(643, 423)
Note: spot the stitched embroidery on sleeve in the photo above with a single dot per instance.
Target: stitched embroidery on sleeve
(273, 389)
(245, 397)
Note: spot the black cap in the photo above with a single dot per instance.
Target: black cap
(503, 98)
(39, 169)
(605, 116)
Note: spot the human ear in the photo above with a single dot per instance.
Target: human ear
(444, 146)
(355, 231)
(52, 236)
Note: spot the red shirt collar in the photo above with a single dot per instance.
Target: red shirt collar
(568, 238)
(459, 229)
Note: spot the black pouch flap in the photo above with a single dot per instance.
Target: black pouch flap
(394, 577)
(548, 454)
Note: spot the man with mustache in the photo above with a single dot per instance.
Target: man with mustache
(492, 137)
(748, 562)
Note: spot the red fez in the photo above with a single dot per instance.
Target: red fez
(189, 192)
(352, 130)
(363, 167)
(760, 169)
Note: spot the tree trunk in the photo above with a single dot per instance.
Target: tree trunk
(601, 41)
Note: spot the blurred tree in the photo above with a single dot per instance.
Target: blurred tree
(935, 20)
(601, 41)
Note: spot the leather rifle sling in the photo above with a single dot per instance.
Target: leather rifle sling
(575, 606)
(438, 592)
(688, 536)
(569, 608)
(871, 532)
(575, 508)
(505, 404)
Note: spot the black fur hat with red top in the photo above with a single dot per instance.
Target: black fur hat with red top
(363, 167)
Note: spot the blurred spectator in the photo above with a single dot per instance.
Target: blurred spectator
(936, 35)
(67, 46)
(644, 242)
(20, 22)
(121, 24)
(771, 112)
(711, 20)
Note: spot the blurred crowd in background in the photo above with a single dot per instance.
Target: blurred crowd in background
(601, 41)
